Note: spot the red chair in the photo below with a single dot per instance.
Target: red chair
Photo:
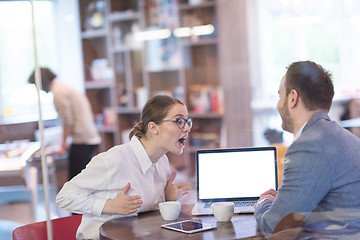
(63, 229)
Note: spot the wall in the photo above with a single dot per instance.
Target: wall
(234, 72)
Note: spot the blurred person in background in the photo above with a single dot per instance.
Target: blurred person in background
(77, 121)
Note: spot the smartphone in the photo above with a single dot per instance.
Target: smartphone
(188, 226)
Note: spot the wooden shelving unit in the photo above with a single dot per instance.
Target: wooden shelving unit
(194, 74)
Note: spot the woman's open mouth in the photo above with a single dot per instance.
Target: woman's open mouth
(182, 141)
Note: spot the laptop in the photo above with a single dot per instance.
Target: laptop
(238, 175)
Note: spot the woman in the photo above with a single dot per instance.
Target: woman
(132, 177)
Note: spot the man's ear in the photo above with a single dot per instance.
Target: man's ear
(293, 98)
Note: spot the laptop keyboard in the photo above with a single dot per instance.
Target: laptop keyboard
(245, 203)
(237, 203)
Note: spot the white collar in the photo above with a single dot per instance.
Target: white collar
(299, 132)
(142, 156)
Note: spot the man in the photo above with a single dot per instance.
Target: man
(77, 119)
(321, 177)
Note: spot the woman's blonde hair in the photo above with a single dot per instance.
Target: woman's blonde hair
(155, 110)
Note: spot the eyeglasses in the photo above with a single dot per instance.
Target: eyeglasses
(180, 122)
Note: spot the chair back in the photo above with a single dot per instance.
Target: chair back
(281, 150)
(63, 229)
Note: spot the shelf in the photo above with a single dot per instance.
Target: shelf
(99, 33)
(184, 7)
(212, 115)
(124, 49)
(98, 84)
(107, 129)
(123, 16)
(128, 110)
(193, 149)
(200, 42)
(134, 68)
(162, 69)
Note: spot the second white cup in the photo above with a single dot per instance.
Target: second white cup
(223, 211)
(170, 210)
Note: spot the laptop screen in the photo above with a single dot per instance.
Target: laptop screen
(235, 174)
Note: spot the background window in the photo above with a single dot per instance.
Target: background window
(324, 31)
(18, 99)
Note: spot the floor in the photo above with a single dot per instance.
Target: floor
(13, 215)
(16, 208)
(20, 212)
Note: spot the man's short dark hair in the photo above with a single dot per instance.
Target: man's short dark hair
(313, 84)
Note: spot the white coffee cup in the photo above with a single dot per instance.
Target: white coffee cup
(223, 211)
(170, 210)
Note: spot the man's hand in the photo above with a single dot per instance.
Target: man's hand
(60, 151)
(63, 149)
(269, 194)
(123, 204)
(175, 191)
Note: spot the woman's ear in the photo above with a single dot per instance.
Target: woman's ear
(152, 127)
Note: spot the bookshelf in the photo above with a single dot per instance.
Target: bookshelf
(122, 72)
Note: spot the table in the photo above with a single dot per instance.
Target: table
(147, 226)
(22, 160)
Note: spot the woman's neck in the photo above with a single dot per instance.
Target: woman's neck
(154, 152)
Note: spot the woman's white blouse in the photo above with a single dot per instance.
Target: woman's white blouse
(105, 176)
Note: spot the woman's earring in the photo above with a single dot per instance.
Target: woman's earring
(156, 133)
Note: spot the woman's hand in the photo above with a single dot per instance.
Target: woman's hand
(123, 204)
(175, 191)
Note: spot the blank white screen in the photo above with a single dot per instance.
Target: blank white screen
(236, 174)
